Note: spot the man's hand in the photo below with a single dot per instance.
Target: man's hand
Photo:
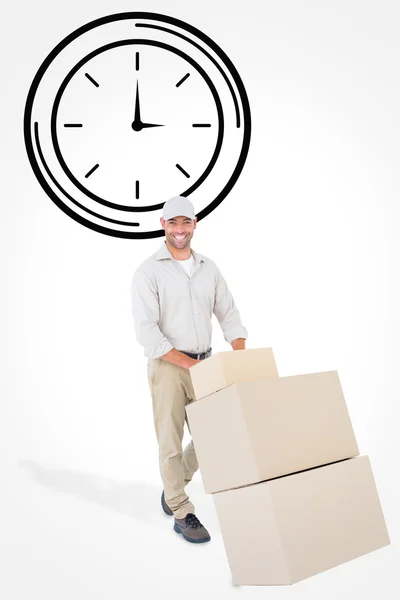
(178, 358)
(193, 362)
(239, 344)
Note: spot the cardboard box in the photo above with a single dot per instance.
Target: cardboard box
(224, 368)
(257, 430)
(281, 531)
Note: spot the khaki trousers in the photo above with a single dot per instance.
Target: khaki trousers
(171, 390)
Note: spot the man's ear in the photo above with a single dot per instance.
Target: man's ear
(162, 222)
(195, 223)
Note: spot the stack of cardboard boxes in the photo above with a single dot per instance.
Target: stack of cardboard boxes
(293, 496)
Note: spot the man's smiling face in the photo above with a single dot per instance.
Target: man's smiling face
(179, 231)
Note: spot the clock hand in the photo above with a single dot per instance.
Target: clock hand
(137, 124)
(137, 106)
(146, 125)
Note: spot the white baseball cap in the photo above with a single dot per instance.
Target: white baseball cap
(178, 206)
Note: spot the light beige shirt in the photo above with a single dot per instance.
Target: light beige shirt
(172, 310)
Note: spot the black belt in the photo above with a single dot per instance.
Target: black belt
(198, 356)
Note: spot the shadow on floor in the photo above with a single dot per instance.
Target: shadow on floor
(137, 499)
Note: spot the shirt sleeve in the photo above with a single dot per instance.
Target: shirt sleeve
(146, 316)
(226, 312)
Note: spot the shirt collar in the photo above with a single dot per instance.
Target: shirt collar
(164, 253)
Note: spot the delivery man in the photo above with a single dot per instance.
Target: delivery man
(174, 294)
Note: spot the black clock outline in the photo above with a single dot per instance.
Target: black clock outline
(29, 136)
(107, 48)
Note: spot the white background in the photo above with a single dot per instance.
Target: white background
(308, 243)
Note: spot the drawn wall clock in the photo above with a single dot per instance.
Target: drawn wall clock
(130, 110)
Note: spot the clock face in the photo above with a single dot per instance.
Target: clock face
(129, 111)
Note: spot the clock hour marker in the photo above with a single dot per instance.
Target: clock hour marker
(137, 61)
(73, 125)
(137, 190)
(183, 79)
(201, 125)
(91, 79)
(182, 170)
(92, 170)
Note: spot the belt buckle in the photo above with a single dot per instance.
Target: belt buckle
(204, 355)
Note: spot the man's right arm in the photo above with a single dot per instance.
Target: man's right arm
(146, 315)
(180, 359)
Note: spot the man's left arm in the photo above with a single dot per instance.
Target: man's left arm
(228, 315)
(239, 344)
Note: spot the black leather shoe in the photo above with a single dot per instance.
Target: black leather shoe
(165, 506)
